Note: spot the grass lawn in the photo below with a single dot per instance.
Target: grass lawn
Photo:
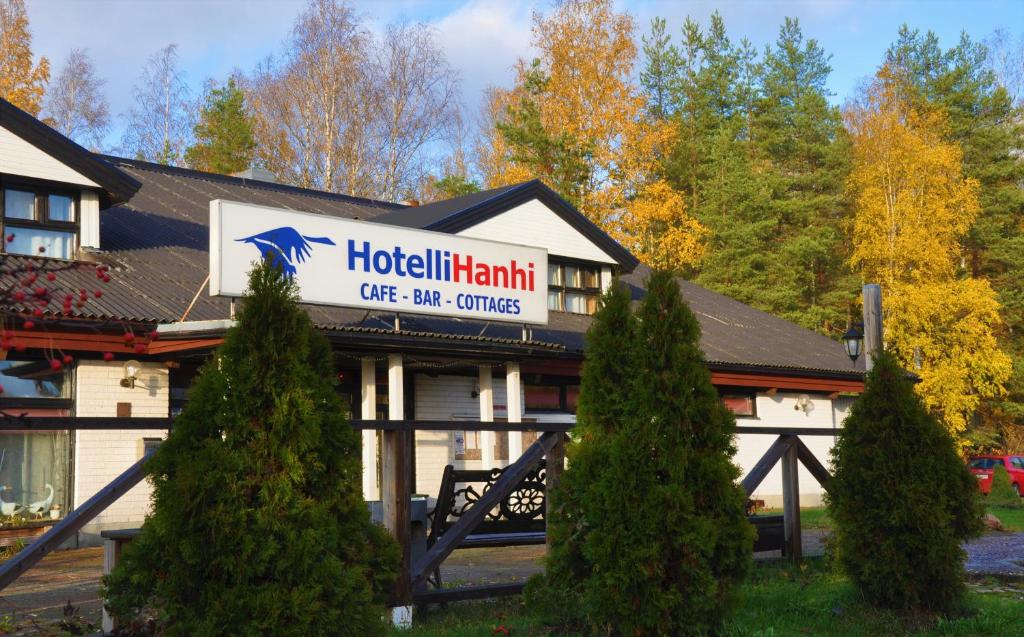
(778, 599)
(1012, 519)
(817, 517)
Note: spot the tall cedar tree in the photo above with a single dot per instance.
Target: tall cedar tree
(899, 525)
(224, 134)
(653, 454)
(258, 524)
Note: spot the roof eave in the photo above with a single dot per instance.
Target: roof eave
(117, 187)
(536, 189)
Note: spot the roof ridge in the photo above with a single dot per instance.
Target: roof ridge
(250, 183)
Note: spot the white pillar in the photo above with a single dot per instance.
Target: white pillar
(486, 415)
(395, 494)
(513, 384)
(371, 490)
(396, 388)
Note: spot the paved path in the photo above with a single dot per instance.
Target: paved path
(38, 597)
(997, 554)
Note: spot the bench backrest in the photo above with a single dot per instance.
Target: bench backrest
(521, 511)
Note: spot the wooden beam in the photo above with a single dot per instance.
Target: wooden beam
(462, 593)
(459, 425)
(552, 476)
(486, 395)
(873, 339)
(71, 524)
(368, 412)
(787, 431)
(64, 423)
(506, 482)
(791, 501)
(813, 465)
(765, 464)
(513, 400)
(824, 385)
(396, 489)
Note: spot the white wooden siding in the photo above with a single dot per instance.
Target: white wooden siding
(778, 411)
(447, 398)
(18, 157)
(100, 456)
(534, 224)
(89, 210)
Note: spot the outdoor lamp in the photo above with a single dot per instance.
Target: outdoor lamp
(131, 373)
(853, 339)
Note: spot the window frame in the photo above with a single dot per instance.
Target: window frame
(42, 190)
(563, 288)
(739, 392)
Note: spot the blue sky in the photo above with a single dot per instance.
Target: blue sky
(483, 38)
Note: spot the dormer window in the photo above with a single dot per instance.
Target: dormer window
(573, 287)
(39, 220)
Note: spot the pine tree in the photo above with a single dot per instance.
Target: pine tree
(224, 134)
(258, 523)
(1003, 492)
(650, 536)
(901, 498)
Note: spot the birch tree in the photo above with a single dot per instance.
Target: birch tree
(341, 110)
(912, 209)
(159, 126)
(75, 104)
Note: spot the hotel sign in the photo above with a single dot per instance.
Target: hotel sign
(360, 264)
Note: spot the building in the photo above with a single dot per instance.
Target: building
(147, 227)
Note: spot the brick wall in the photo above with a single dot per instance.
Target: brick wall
(100, 456)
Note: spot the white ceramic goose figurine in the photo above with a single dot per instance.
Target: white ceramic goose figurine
(41, 506)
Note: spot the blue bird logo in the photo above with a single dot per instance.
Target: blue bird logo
(284, 247)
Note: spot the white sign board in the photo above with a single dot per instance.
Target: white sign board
(374, 266)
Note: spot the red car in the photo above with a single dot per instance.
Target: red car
(982, 467)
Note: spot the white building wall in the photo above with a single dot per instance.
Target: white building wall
(18, 157)
(779, 411)
(534, 224)
(100, 456)
(448, 398)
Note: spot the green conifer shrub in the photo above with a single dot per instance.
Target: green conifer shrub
(902, 500)
(1002, 492)
(649, 535)
(258, 524)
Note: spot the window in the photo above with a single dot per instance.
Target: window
(573, 288)
(40, 221)
(742, 403)
(33, 464)
(1018, 463)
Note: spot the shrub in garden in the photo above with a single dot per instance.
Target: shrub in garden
(258, 524)
(902, 500)
(1002, 493)
(649, 535)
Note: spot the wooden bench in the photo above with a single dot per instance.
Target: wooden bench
(518, 520)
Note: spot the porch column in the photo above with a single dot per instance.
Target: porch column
(371, 490)
(396, 490)
(513, 385)
(486, 415)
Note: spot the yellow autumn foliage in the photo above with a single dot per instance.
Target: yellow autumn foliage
(20, 83)
(587, 52)
(912, 208)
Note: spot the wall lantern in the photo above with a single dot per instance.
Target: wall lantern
(132, 368)
(853, 340)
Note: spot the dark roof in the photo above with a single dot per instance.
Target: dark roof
(117, 186)
(455, 215)
(157, 247)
